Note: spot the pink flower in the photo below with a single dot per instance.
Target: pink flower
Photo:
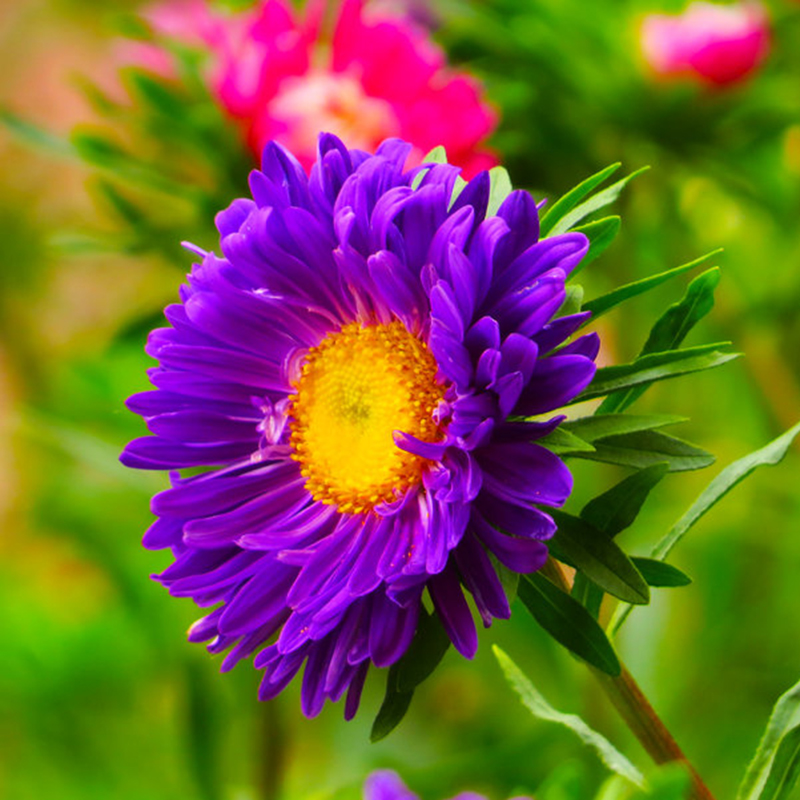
(376, 75)
(713, 44)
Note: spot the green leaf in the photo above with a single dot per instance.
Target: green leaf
(155, 93)
(566, 203)
(501, 188)
(587, 593)
(647, 449)
(594, 203)
(655, 367)
(34, 136)
(733, 474)
(616, 509)
(572, 300)
(540, 708)
(562, 442)
(427, 649)
(785, 768)
(390, 715)
(596, 555)
(509, 579)
(435, 156)
(670, 330)
(603, 304)
(601, 233)
(774, 767)
(127, 210)
(600, 426)
(659, 573)
(568, 622)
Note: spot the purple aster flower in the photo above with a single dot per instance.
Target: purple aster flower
(387, 785)
(359, 366)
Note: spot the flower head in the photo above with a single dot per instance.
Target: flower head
(710, 43)
(348, 365)
(387, 785)
(378, 75)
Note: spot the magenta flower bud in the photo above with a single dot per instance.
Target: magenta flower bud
(711, 44)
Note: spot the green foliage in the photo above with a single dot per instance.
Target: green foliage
(670, 330)
(774, 770)
(601, 234)
(427, 649)
(604, 304)
(733, 474)
(593, 204)
(588, 549)
(659, 573)
(573, 197)
(656, 367)
(568, 622)
(539, 707)
(617, 508)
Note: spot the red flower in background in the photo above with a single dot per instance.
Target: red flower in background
(712, 44)
(283, 77)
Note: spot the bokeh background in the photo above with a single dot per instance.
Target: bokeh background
(100, 695)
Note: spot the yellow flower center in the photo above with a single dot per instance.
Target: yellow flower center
(356, 388)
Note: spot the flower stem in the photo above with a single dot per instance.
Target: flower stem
(635, 709)
(647, 727)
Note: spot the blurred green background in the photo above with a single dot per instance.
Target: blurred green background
(100, 696)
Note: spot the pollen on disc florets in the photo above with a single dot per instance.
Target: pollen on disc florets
(357, 387)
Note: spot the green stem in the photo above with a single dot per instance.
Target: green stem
(272, 755)
(635, 709)
(647, 727)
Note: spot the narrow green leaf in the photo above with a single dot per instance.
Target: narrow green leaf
(785, 768)
(566, 203)
(733, 474)
(436, 156)
(508, 578)
(600, 426)
(127, 210)
(390, 715)
(647, 449)
(540, 708)
(97, 148)
(155, 93)
(584, 547)
(656, 367)
(34, 136)
(783, 722)
(568, 622)
(500, 189)
(427, 649)
(572, 300)
(563, 442)
(616, 509)
(587, 593)
(594, 203)
(603, 304)
(601, 233)
(659, 573)
(670, 330)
